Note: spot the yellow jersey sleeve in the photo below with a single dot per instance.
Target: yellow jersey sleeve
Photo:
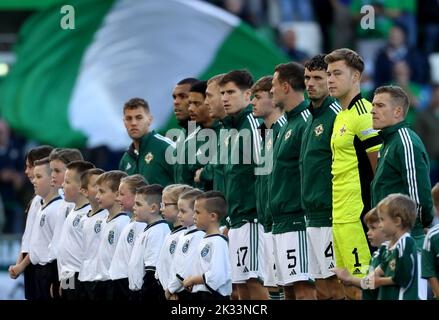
(363, 127)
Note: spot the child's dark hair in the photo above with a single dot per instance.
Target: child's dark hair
(80, 167)
(38, 153)
(371, 216)
(399, 205)
(214, 201)
(43, 162)
(152, 194)
(190, 195)
(85, 176)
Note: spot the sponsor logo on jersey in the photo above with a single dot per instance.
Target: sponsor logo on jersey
(288, 134)
(130, 237)
(357, 271)
(293, 273)
(186, 246)
(148, 158)
(172, 246)
(319, 130)
(42, 220)
(245, 269)
(128, 167)
(98, 226)
(331, 266)
(76, 220)
(111, 237)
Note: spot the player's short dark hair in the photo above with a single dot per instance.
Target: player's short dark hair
(199, 87)
(263, 84)
(135, 103)
(85, 176)
(38, 153)
(293, 74)
(371, 216)
(317, 63)
(112, 179)
(80, 166)
(399, 205)
(152, 194)
(435, 194)
(66, 155)
(190, 81)
(214, 201)
(134, 181)
(241, 78)
(350, 57)
(216, 78)
(190, 195)
(398, 95)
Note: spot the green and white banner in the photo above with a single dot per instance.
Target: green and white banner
(68, 86)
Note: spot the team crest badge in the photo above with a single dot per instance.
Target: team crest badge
(205, 251)
(318, 130)
(392, 264)
(288, 135)
(149, 157)
(186, 246)
(172, 247)
(130, 237)
(76, 220)
(43, 220)
(98, 226)
(342, 130)
(111, 237)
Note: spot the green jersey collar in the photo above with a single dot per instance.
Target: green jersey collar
(146, 139)
(239, 118)
(317, 112)
(354, 101)
(387, 132)
(300, 107)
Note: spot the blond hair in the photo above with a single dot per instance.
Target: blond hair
(399, 205)
(173, 191)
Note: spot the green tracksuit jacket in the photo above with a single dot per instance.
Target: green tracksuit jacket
(403, 167)
(284, 182)
(150, 161)
(239, 176)
(315, 164)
